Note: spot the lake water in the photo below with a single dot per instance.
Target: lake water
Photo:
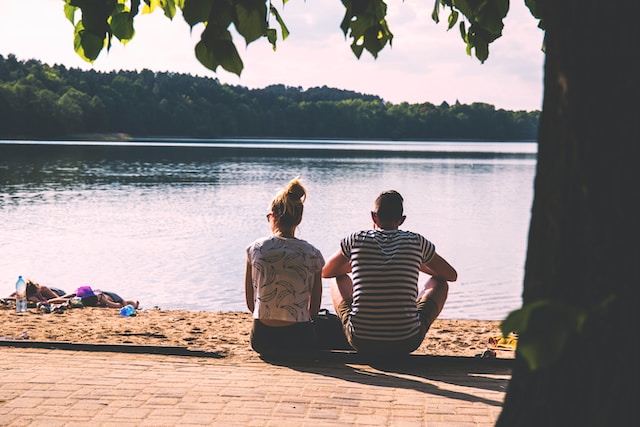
(167, 222)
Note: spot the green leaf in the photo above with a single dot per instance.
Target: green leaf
(169, 8)
(196, 11)
(216, 48)
(251, 20)
(95, 16)
(70, 12)
(544, 328)
(463, 32)
(435, 14)
(222, 15)
(345, 24)
(369, 32)
(372, 42)
(122, 26)
(283, 28)
(501, 7)
(379, 9)
(482, 51)
(536, 10)
(272, 36)
(135, 6)
(220, 53)
(533, 5)
(453, 18)
(365, 17)
(360, 25)
(357, 47)
(150, 6)
(485, 18)
(86, 44)
(490, 23)
(464, 7)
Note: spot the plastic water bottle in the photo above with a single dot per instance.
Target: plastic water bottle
(21, 295)
(127, 310)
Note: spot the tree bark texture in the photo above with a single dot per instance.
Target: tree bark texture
(583, 238)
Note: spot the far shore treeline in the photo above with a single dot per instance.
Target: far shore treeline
(41, 101)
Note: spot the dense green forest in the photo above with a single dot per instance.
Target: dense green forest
(42, 101)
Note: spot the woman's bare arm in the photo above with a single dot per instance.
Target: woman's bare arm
(248, 287)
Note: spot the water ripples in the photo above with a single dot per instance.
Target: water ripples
(172, 233)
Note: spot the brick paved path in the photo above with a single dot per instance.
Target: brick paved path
(60, 387)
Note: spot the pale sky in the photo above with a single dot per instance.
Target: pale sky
(426, 63)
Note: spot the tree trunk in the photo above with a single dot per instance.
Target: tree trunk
(583, 238)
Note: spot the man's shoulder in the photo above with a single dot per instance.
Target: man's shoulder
(412, 234)
(375, 233)
(360, 233)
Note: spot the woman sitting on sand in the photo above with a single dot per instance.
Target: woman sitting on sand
(283, 286)
(97, 298)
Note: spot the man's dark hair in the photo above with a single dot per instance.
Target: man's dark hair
(388, 206)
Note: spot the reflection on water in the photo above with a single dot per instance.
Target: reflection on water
(168, 225)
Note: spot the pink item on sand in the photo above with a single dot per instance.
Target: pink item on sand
(84, 292)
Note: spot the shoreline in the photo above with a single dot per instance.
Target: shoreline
(224, 333)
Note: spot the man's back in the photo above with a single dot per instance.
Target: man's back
(385, 268)
(375, 290)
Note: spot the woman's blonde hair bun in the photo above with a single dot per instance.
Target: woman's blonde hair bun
(287, 205)
(296, 190)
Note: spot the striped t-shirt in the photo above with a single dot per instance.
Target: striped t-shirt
(385, 266)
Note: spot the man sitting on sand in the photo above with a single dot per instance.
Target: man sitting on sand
(381, 309)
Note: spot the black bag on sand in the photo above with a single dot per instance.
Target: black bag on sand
(329, 332)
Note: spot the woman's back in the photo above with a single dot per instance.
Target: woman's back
(283, 272)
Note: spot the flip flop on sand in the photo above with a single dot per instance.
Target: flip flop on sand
(59, 308)
(486, 354)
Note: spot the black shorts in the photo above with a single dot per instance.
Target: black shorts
(428, 311)
(295, 339)
(115, 297)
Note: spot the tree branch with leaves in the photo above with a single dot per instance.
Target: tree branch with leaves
(97, 22)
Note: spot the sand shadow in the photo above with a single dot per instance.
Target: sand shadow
(416, 372)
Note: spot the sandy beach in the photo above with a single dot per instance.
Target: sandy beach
(226, 333)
